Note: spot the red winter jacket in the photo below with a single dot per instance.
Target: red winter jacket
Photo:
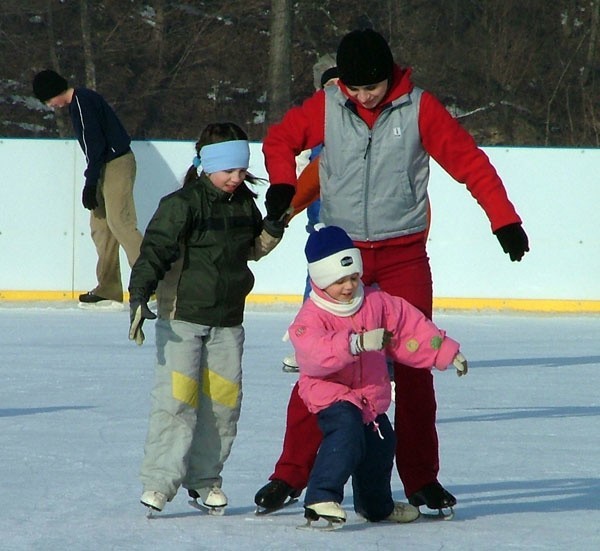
(442, 137)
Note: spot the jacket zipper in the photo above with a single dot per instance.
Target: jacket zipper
(368, 144)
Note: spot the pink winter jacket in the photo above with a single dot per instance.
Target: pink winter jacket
(330, 373)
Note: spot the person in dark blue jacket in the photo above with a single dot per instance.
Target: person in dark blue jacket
(109, 178)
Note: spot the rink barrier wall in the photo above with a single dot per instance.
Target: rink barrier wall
(47, 253)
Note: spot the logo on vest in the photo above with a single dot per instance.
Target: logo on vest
(397, 131)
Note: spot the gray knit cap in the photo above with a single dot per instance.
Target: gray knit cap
(324, 63)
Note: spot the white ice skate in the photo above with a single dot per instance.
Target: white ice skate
(290, 365)
(403, 513)
(155, 501)
(329, 511)
(212, 500)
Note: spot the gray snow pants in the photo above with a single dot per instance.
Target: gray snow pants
(195, 408)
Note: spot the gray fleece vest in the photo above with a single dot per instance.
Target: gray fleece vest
(374, 181)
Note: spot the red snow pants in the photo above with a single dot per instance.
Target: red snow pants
(400, 270)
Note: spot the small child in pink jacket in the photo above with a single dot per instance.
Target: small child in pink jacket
(341, 337)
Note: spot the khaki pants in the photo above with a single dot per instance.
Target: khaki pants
(114, 223)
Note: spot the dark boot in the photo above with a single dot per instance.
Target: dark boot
(274, 494)
(90, 298)
(434, 496)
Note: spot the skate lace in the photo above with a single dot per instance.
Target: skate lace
(215, 492)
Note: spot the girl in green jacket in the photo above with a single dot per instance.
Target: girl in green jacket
(194, 255)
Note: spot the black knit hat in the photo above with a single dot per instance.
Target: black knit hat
(363, 58)
(48, 84)
(330, 73)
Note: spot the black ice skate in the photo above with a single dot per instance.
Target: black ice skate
(434, 496)
(275, 495)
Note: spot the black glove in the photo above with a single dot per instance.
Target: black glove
(88, 197)
(138, 312)
(513, 240)
(274, 228)
(278, 199)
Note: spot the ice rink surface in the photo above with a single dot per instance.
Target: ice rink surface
(520, 439)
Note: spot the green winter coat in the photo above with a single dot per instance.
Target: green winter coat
(197, 246)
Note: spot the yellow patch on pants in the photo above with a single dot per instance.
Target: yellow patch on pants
(185, 389)
(219, 389)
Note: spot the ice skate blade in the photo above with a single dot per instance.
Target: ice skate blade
(212, 511)
(333, 523)
(262, 511)
(442, 514)
(102, 306)
(150, 511)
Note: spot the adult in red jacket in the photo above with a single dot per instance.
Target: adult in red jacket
(379, 131)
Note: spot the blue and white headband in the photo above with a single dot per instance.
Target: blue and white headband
(225, 156)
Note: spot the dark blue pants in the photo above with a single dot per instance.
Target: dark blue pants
(351, 448)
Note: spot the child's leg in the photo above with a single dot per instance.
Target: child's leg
(371, 480)
(342, 449)
(173, 413)
(300, 444)
(219, 402)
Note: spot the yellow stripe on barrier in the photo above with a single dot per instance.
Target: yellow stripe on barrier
(38, 295)
(558, 306)
(270, 300)
(219, 389)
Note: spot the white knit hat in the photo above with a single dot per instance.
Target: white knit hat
(331, 255)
